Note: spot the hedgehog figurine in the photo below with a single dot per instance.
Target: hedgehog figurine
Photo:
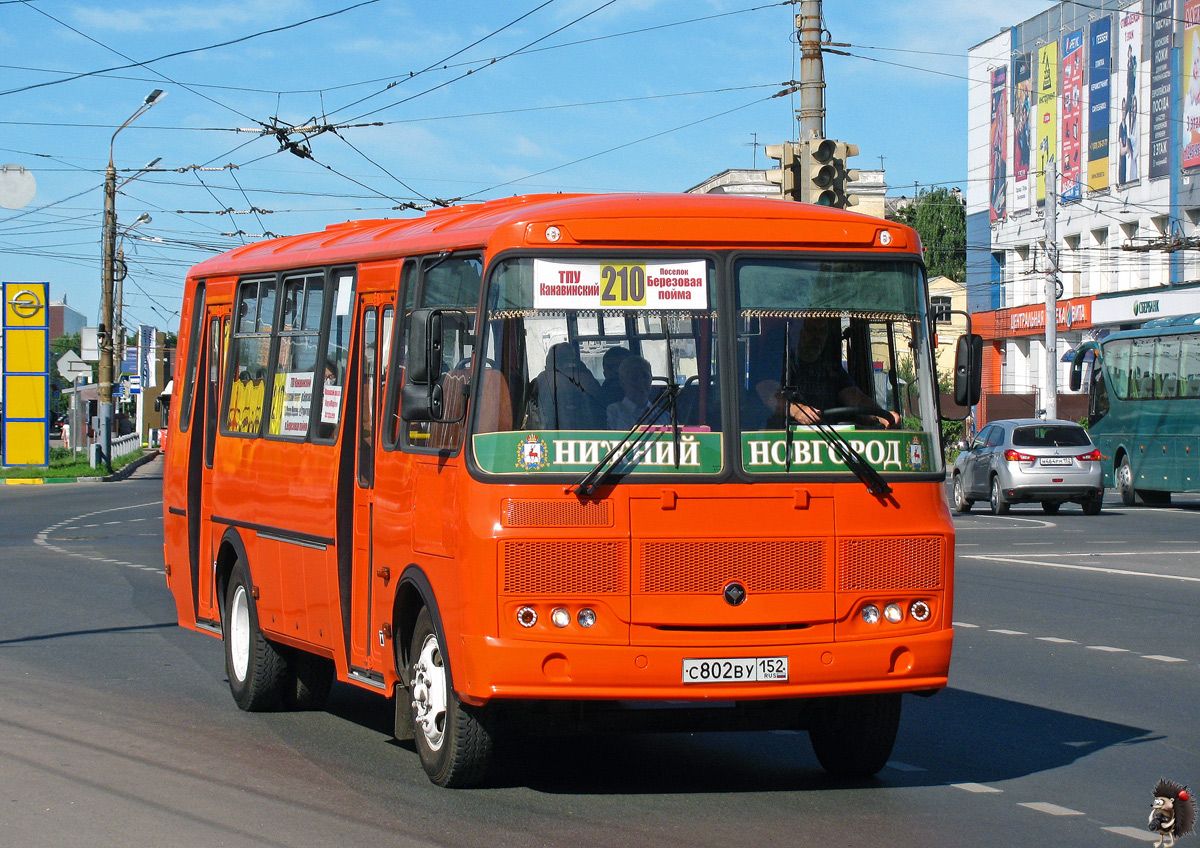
(1173, 814)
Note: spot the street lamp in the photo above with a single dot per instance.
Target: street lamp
(108, 327)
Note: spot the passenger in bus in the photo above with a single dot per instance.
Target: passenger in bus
(819, 381)
(610, 389)
(568, 395)
(636, 377)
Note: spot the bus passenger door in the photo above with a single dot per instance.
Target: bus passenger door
(370, 581)
(216, 337)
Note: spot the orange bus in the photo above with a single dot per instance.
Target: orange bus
(620, 461)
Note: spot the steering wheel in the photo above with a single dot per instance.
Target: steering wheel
(852, 413)
(465, 363)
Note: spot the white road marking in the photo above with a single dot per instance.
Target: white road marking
(1162, 658)
(1008, 632)
(964, 624)
(1117, 571)
(1050, 809)
(899, 766)
(975, 787)
(1056, 640)
(1108, 649)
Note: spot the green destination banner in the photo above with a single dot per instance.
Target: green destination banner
(885, 450)
(578, 451)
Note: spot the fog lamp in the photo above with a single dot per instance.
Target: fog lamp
(587, 617)
(870, 614)
(560, 617)
(527, 616)
(893, 613)
(919, 611)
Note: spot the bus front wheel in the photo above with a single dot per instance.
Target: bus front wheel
(1125, 481)
(452, 740)
(853, 735)
(255, 667)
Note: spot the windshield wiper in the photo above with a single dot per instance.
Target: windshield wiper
(600, 471)
(853, 460)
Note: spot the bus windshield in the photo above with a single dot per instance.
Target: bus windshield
(579, 352)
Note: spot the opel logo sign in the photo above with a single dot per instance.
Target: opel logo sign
(735, 594)
(26, 303)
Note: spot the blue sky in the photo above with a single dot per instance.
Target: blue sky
(469, 100)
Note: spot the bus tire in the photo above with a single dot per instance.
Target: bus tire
(853, 735)
(309, 679)
(998, 503)
(961, 502)
(452, 740)
(1125, 481)
(255, 667)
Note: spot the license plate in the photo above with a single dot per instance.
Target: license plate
(735, 670)
(1055, 460)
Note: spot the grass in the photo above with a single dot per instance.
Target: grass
(63, 464)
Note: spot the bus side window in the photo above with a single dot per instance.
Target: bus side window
(250, 346)
(396, 358)
(1189, 366)
(296, 363)
(336, 358)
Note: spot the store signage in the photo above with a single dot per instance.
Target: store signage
(1032, 319)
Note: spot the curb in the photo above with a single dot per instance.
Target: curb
(110, 478)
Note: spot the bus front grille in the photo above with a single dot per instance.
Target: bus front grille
(707, 566)
(588, 567)
(560, 513)
(889, 564)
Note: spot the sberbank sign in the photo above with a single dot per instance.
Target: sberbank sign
(1145, 307)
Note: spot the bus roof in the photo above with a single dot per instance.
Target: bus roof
(582, 220)
(1159, 327)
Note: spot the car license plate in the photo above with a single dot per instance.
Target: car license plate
(1055, 460)
(735, 670)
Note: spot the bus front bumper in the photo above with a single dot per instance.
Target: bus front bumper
(486, 668)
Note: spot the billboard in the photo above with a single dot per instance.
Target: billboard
(999, 145)
(1099, 97)
(26, 369)
(1072, 112)
(1161, 32)
(1190, 142)
(1022, 128)
(1047, 134)
(1129, 52)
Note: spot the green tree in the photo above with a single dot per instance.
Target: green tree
(940, 217)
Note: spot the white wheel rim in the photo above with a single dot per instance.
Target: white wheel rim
(1125, 477)
(430, 693)
(239, 633)
(959, 500)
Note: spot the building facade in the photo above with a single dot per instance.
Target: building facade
(1106, 97)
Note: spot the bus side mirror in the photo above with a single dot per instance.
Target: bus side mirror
(1076, 373)
(422, 395)
(968, 369)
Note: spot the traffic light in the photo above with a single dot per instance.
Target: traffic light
(842, 198)
(818, 171)
(785, 175)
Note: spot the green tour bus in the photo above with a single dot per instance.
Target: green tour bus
(1144, 407)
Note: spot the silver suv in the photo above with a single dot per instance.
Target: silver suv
(1029, 459)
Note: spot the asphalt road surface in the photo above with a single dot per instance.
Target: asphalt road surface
(1074, 687)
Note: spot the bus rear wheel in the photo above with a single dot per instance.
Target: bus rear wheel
(452, 740)
(853, 735)
(255, 667)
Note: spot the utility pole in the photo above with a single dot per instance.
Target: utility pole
(812, 72)
(1050, 396)
(106, 310)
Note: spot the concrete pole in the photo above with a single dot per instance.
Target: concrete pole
(812, 72)
(106, 311)
(1050, 396)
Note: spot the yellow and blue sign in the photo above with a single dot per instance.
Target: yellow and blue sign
(26, 373)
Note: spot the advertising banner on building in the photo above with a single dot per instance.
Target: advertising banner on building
(1047, 134)
(1099, 91)
(1162, 30)
(999, 155)
(1129, 52)
(1190, 142)
(1072, 111)
(25, 371)
(1022, 128)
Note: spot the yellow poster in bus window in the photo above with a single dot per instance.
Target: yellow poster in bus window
(1047, 129)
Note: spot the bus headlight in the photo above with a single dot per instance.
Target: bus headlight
(560, 617)
(870, 614)
(587, 617)
(919, 611)
(893, 613)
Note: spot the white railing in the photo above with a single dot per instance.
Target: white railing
(121, 446)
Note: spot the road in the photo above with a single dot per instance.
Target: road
(1073, 689)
